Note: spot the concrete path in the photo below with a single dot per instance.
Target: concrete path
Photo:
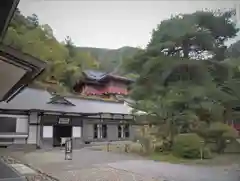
(177, 172)
(7, 173)
(89, 165)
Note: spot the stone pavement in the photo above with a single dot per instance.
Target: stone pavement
(89, 165)
(178, 172)
(7, 173)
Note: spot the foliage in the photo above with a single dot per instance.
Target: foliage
(145, 139)
(111, 60)
(194, 33)
(219, 133)
(185, 81)
(233, 50)
(187, 145)
(65, 60)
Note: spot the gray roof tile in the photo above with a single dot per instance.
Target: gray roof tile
(38, 99)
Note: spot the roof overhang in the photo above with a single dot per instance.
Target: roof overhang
(17, 70)
(7, 9)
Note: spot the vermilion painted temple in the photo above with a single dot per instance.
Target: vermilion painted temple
(102, 84)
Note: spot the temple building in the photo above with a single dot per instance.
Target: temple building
(102, 84)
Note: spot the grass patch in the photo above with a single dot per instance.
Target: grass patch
(168, 157)
(135, 149)
(224, 159)
(165, 158)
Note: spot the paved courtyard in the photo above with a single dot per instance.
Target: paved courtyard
(90, 165)
(7, 173)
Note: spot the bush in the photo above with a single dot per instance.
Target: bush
(187, 145)
(220, 133)
(159, 148)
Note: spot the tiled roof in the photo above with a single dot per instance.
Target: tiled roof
(98, 75)
(30, 99)
(94, 74)
(90, 90)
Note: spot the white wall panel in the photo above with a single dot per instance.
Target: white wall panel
(77, 131)
(32, 137)
(22, 124)
(47, 131)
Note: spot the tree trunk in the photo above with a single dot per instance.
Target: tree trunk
(185, 49)
(227, 114)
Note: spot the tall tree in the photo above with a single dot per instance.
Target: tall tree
(175, 87)
(33, 20)
(193, 34)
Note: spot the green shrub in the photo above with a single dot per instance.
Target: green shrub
(220, 133)
(207, 154)
(187, 145)
(158, 148)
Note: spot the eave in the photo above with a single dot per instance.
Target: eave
(17, 71)
(7, 9)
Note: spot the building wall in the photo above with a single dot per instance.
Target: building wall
(118, 83)
(37, 130)
(77, 136)
(33, 130)
(112, 131)
(47, 126)
(87, 130)
(22, 124)
(21, 131)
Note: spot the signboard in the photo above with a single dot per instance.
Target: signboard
(68, 149)
(63, 120)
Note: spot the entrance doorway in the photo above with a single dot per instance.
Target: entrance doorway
(61, 131)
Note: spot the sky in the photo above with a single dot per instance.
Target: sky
(110, 24)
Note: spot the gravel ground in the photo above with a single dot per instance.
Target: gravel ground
(89, 165)
(33, 177)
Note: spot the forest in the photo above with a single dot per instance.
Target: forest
(65, 60)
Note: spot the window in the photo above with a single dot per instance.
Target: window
(123, 131)
(104, 131)
(8, 124)
(119, 131)
(100, 131)
(126, 131)
(95, 131)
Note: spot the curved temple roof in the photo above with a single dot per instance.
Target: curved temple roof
(35, 99)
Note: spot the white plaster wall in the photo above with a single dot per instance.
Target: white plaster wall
(22, 125)
(20, 141)
(47, 131)
(32, 135)
(77, 132)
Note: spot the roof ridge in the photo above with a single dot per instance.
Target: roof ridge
(75, 96)
(91, 98)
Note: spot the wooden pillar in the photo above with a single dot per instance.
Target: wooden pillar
(122, 131)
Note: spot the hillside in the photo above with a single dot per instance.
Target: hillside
(110, 59)
(65, 60)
